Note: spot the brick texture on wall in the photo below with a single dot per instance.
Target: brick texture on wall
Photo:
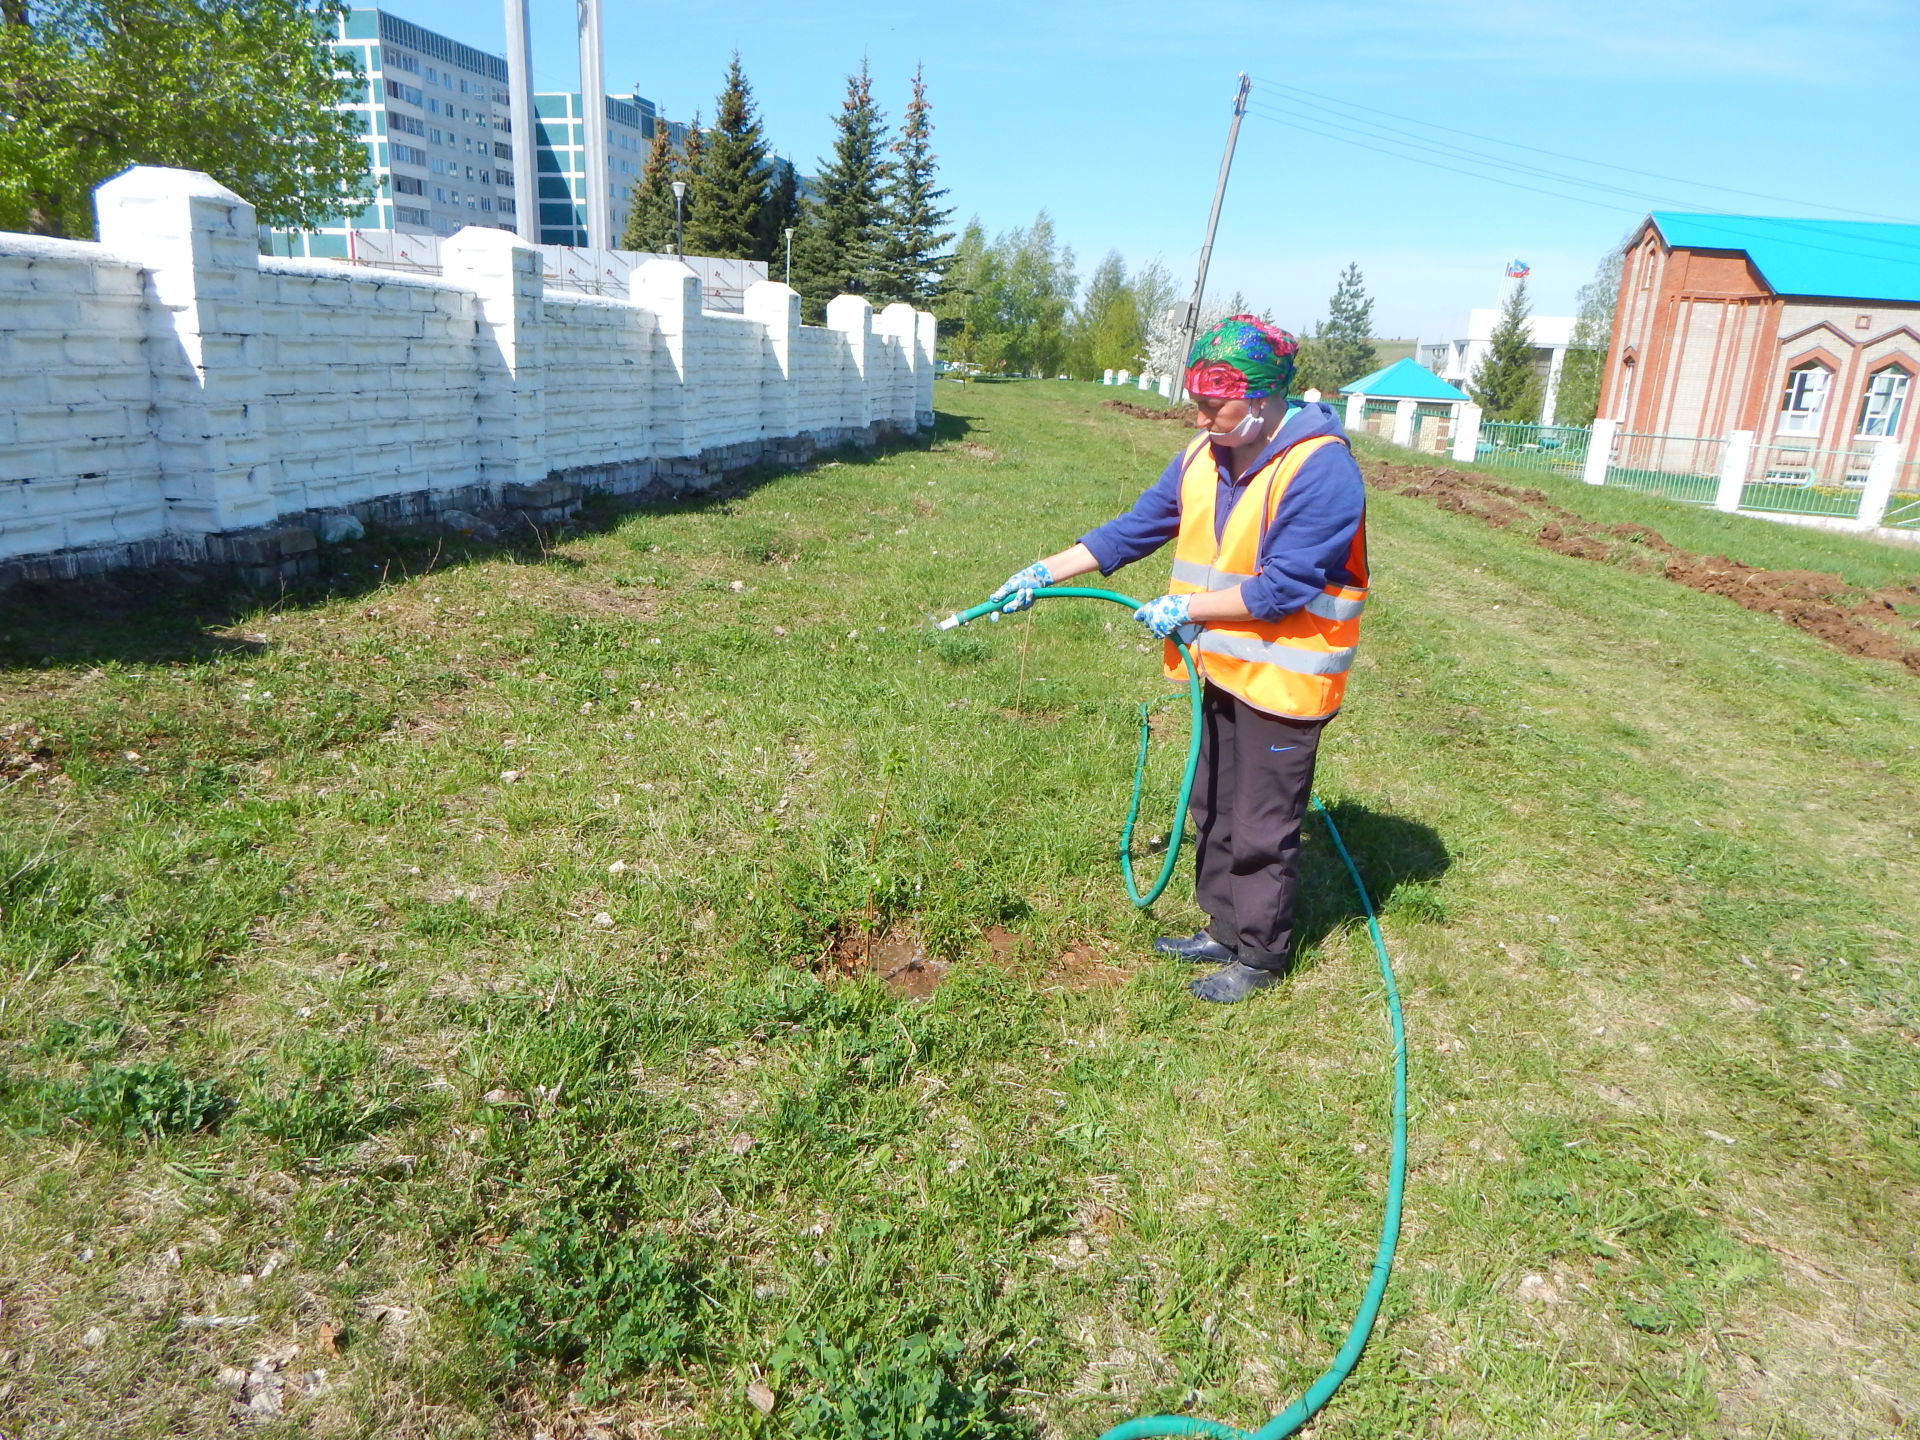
(167, 395)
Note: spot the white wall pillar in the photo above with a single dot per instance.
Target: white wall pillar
(200, 244)
(1599, 451)
(926, 339)
(1556, 362)
(1106, 377)
(526, 185)
(1166, 387)
(852, 316)
(1403, 416)
(896, 406)
(777, 307)
(1466, 432)
(672, 293)
(504, 274)
(1356, 413)
(1881, 474)
(1735, 461)
(1146, 381)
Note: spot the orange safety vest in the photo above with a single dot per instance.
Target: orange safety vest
(1295, 666)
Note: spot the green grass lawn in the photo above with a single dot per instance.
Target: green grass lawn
(438, 1006)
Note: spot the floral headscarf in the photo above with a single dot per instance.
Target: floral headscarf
(1241, 358)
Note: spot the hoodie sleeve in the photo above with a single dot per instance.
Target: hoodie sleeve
(1154, 520)
(1306, 547)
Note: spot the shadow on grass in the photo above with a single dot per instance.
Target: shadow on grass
(1399, 858)
(156, 618)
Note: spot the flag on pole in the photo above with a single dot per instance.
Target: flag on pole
(1518, 269)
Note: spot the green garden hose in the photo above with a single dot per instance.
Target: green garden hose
(1321, 1391)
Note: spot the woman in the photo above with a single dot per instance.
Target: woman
(1268, 517)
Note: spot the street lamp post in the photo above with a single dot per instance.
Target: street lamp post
(788, 232)
(679, 211)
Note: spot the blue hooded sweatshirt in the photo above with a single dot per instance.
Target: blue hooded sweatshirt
(1303, 551)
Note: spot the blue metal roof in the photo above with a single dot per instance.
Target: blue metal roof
(1403, 380)
(1836, 259)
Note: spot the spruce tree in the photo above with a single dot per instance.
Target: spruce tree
(1341, 347)
(692, 152)
(915, 247)
(778, 215)
(837, 249)
(650, 213)
(1505, 383)
(727, 192)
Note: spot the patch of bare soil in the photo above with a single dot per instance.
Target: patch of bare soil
(975, 452)
(896, 957)
(1851, 620)
(1082, 967)
(1182, 413)
(27, 753)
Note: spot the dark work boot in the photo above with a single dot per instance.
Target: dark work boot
(1233, 983)
(1199, 947)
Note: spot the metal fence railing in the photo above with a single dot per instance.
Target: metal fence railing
(1561, 449)
(1903, 506)
(1679, 467)
(1790, 479)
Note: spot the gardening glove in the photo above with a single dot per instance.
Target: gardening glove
(1021, 585)
(1168, 619)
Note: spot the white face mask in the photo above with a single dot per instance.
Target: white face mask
(1241, 433)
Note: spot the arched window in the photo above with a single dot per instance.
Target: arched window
(1804, 400)
(1886, 397)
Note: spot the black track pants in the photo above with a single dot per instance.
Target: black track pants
(1256, 775)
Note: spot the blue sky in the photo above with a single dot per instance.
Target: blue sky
(1112, 115)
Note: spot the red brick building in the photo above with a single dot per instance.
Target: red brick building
(1806, 332)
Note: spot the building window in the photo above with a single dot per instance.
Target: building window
(409, 215)
(409, 155)
(408, 185)
(399, 124)
(1804, 400)
(1886, 397)
(440, 194)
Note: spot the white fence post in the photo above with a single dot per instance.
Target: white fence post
(1106, 377)
(1403, 413)
(199, 243)
(852, 316)
(1734, 465)
(503, 272)
(1599, 451)
(1356, 413)
(1881, 473)
(777, 307)
(1466, 432)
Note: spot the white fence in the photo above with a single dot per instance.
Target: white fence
(168, 385)
(1863, 487)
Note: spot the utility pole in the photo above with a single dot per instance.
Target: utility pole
(1213, 224)
(526, 195)
(593, 109)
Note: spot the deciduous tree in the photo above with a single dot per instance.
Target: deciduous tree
(246, 90)
(1578, 397)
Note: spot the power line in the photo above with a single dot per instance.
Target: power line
(1910, 257)
(1578, 159)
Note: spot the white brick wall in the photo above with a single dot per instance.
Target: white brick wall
(169, 382)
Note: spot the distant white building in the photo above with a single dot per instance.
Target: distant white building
(1455, 360)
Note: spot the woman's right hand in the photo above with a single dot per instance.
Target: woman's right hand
(1018, 591)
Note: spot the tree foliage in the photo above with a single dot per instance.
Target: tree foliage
(650, 212)
(840, 244)
(913, 252)
(245, 90)
(1007, 303)
(1108, 331)
(1340, 349)
(727, 189)
(1578, 398)
(1506, 383)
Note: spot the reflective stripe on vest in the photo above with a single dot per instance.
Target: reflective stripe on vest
(1297, 665)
